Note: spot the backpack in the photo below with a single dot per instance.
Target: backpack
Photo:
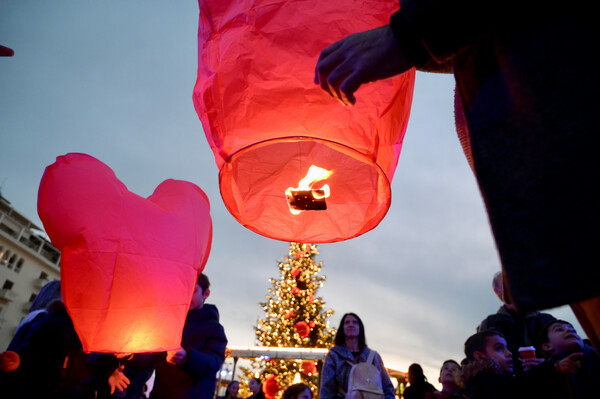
(364, 380)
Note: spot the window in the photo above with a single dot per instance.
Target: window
(5, 256)
(44, 276)
(7, 285)
(32, 298)
(12, 261)
(19, 265)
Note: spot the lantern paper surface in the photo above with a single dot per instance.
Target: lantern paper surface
(268, 123)
(128, 264)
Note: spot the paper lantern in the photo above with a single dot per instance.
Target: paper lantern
(128, 264)
(268, 123)
(6, 51)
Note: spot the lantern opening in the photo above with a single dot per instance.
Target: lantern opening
(305, 198)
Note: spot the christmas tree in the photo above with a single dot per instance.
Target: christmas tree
(295, 318)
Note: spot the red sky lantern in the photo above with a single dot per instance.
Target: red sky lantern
(128, 264)
(294, 164)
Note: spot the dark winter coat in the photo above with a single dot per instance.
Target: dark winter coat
(204, 341)
(518, 329)
(418, 390)
(527, 91)
(585, 384)
(336, 370)
(483, 379)
(137, 369)
(259, 395)
(53, 364)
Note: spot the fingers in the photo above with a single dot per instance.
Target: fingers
(575, 356)
(331, 72)
(349, 86)
(570, 364)
(339, 80)
(323, 66)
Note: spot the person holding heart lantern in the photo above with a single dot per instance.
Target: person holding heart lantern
(190, 370)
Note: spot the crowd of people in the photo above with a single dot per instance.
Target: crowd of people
(560, 364)
(46, 359)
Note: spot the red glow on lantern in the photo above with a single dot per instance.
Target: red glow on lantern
(128, 264)
(268, 123)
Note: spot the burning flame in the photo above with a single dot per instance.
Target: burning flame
(313, 175)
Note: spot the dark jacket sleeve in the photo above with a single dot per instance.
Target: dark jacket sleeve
(205, 362)
(445, 28)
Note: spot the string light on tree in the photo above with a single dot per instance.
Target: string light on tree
(294, 318)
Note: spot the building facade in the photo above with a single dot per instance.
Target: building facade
(27, 262)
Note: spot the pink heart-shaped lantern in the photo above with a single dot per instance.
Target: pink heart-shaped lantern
(128, 264)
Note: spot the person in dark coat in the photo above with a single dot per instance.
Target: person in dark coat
(256, 387)
(418, 384)
(526, 113)
(518, 328)
(136, 367)
(10, 380)
(48, 294)
(448, 378)
(558, 341)
(53, 364)
(190, 371)
(488, 372)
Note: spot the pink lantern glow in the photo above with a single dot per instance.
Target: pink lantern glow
(269, 126)
(128, 264)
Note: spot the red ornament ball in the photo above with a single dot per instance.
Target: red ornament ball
(302, 329)
(295, 291)
(295, 272)
(270, 387)
(289, 314)
(308, 368)
(312, 324)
